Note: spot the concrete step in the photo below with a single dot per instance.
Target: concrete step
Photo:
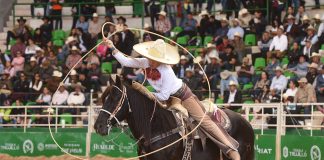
(25, 1)
(22, 7)
(3, 47)
(6, 29)
(3, 36)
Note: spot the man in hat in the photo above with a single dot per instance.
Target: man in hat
(213, 70)
(317, 21)
(203, 24)
(245, 17)
(292, 29)
(60, 97)
(73, 58)
(226, 78)
(179, 69)
(5, 80)
(258, 23)
(82, 23)
(46, 70)
(311, 36)
(46, 29)
(236, 28)
(279, 82)
(233, 96)
(159, 56)
(321, 30)
(309, 48)
(246, 72)
(301, 68)
(316, 58)
(163, 24)
(21, 30)
(229, 59)
(223, 30)
(76, 97)
(279, 43)
(305, 94)
(312, 73)
(53, 82)
(94, 27)
(32, 68)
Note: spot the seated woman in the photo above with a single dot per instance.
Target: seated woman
(261, 84)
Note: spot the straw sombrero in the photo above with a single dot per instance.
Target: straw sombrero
(159, 51)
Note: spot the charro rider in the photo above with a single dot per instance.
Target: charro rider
(158, 58)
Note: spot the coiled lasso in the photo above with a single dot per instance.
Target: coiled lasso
(119, 29)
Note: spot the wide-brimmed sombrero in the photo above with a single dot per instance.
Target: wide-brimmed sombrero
(159, 51)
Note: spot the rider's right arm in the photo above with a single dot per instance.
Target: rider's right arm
(131, 62)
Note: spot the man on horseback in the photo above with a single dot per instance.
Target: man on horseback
(158, 58)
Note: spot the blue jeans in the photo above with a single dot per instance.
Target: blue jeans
(243, 80)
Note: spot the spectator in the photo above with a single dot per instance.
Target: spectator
(292, 90)
(38, 38)
(262, 84)
(5, 80)
(275, 25)
(53, 83)
(211, 50)
(316, 58)
(291, 12)
(321, 31)
(192, 81)
(121, 20)
(301, 68)
(94, 75)
(292, 30)
(56, 14)
(213, 26)
(31, 49)
(308, 49)
(5, 93)
(199, 4)
(223, 30)
(304, 26)
(82, 23)
(9, 69)
(32, 68)
(86, 43)
(264, 43)
(46, 29)
(60, 97)
(213, 70)
(228, 58)
(92, 58)
(189, 25)
(18, 47)
(128, 41)
(71, 79)
(94, 27)
(233, 96)
(46, 70)
(312, 73)
(52, 60)
(73, 58)
(154, 10)
(279, 43)
(300, 14)
(244, 17)
(319, 86)
(180, 68)
(246, 72)
(305, 94)
(204, 23)
(236, 28)
(18, 62)
(76, 97)
(239, 46)
(45, 97)
(35, 84)
(226, 77)
(21, 31)
(317, 5)
(163, 24)
(88, 9)
(224, 42)
(310, 36)
(279, 82)
(20, 88)
(293, 55)
(258, 23)
(317, 22)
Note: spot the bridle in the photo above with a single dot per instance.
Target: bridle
(112, 115)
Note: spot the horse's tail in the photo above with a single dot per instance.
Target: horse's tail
(243, 132)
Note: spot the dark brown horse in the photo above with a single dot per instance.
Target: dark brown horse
(147, 122)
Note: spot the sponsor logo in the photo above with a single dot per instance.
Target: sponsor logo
(40, 146)
(10, 147)
(262, 150)
(315, 153)
(28, 146)
(285, 152)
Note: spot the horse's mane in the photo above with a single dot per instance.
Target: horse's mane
(142, 109)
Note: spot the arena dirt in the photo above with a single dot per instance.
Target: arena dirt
(63, 157)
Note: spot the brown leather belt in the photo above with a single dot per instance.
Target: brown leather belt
(179, 93)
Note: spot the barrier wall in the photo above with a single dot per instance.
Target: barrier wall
(41, 144)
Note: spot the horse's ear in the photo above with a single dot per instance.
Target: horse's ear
(118, 81)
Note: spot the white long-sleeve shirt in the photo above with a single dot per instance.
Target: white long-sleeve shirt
(279, 43)
(75, 99)
(60, 98)
(320, 29)
(167, 85)
(279, 83)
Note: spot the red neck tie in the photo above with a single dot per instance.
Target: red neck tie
(153, 74)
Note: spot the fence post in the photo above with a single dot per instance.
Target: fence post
(56, 118)
(88, 140)
(279, 129)
(312, 115)
(25, 119)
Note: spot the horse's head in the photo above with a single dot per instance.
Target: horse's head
(115, 107)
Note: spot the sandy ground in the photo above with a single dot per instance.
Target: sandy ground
(63, 157)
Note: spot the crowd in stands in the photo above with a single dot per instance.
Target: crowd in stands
(247, 58)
